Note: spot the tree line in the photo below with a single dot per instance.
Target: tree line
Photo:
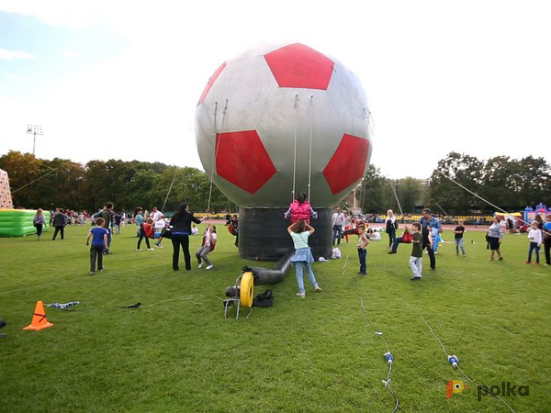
(511, 184)
(68, 184)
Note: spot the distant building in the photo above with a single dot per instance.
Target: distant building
(5, 193)
(352, 200)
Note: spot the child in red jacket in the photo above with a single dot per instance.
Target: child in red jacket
(300, 209)
(147, 231)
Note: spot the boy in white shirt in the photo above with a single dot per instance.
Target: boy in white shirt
(536, 238)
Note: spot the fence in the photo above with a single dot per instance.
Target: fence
(447, 219)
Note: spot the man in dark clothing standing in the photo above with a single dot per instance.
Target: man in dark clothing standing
(428, 222)
(59, 221)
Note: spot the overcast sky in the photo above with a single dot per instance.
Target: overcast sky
(118, 79)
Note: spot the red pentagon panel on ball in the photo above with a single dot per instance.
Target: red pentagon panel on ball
(347, 164)
(299, 66)
(211, 82)
(242, 160)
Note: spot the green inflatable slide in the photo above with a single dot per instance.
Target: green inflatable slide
(19, 222)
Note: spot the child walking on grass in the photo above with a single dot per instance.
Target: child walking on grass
(207, 246)
(416, 259)
(536, 238)
(38, 222)
(99, 236)
(300, 231)
(459, 243)
(363, 241)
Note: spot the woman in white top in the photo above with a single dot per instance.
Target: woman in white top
(390, 228)
(300, 231)
(536, 238)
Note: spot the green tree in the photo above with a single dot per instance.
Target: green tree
(22, 169)
(60, 185)
(375, 194)
(107, 181)
(464, 169)
(531, 180)
(410, 193)
(189, 185)
(139, 190)
(497, 182)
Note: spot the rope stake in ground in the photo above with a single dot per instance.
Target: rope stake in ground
(389, 358)
(453, 360)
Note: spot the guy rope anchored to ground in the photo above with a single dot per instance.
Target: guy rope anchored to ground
(454, 362)
(388, 357)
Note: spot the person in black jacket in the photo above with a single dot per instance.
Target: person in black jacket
(59, 221)
(181, 230)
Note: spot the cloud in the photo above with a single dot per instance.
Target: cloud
(70, 53)
(56, 12)
(10, 55)
(438, 77)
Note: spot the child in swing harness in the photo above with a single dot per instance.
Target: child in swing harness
(146, 231)
(207, 246)
(300, 209)
(300, 231)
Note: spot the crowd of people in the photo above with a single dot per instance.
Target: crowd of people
(424, 235)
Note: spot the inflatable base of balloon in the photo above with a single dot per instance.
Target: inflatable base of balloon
(263, 233)
(19, 222)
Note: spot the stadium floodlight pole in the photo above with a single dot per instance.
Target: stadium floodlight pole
(35, 130)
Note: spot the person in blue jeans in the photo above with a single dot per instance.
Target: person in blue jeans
(406, 238)
(363, 241)
(181, 229)
(337, 222)
(390, 224)
(99, 236)
(300, 231)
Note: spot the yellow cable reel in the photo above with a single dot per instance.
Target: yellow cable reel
(247, 289)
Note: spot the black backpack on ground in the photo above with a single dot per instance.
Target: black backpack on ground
(264, 300)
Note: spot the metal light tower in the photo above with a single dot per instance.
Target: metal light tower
(35, 130)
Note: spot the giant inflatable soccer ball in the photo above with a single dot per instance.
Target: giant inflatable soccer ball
(278, 118)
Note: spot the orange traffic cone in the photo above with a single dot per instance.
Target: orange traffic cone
(39, 321)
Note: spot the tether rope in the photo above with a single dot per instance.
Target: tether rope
(216, 147)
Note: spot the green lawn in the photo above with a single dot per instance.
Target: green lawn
(177, 353)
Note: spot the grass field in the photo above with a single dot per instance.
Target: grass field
(177, 353)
